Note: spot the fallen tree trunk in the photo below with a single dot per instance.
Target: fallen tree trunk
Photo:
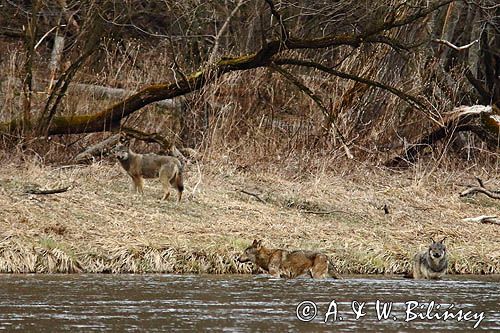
(472, 190)
(98, 150)
(478, 119)
(483, 219)
(481, 189)
(118, 93)
(103, 148)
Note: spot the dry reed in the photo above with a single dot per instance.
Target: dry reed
(99, 226)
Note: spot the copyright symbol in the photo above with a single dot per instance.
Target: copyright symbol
(306, 311)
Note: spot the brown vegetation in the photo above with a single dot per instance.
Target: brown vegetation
(279, 98)
(97, 226)
(368, 79)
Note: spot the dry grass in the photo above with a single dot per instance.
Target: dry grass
(99, 226)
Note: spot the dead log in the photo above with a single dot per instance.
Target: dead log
(98, 150)
(49, 191)
(56, 55)
(483, 219)
(478, 119)
(472, 190)
(481, 189)
(103, 148)
(101, 92)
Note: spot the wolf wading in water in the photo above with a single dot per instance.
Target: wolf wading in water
(288, 264)
(432, 263)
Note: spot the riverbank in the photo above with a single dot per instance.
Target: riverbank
(98, 226)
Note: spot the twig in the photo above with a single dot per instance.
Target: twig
(480, 181)
(483, 219)
(472, 190)
(51, 191)
(44, 36)
(255, 195)
(453, 46)
(481, 189)
(199, 180)
(322, 212)
(222, 30)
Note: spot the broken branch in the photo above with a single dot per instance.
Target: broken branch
(50, 191)
(483, 219)
(453, 46)
(255, 195)
(477, 189)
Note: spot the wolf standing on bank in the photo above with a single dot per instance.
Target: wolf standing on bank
(140, 166)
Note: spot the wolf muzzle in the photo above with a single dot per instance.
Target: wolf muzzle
(437, 255)
(243, 259)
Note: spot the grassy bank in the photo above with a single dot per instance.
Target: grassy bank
(99, 226)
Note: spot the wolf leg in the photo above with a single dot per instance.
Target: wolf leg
(319, 269)
(274, 272)
(177, 182)
(274, 265)
(165, 183)
(138, 184)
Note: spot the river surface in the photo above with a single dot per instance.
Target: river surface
(201, 303)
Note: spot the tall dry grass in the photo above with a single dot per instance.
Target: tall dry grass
(258, 132)
(256, 117)
(99, 226)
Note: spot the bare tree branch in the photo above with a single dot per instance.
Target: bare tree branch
(453, 46)
(413, 101)
(276, 14)
(110, 118)
(318, 102)
(222, 30)
(483, 219)
(481, 189)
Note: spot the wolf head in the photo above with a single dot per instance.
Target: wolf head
(250, 253)
(121, 152)
(437, 250)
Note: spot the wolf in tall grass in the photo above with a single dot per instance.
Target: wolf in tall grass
(288, 264)
(431, 263)
(140, 166)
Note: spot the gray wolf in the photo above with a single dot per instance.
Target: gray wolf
(431, 263)
(288, 264)
(140, 166)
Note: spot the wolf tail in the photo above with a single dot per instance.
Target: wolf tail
(176, 179)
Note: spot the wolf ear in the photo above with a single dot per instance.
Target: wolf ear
(432, 240)
(442, 240)
(254, 242)
(258, 243)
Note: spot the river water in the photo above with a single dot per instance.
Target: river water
(191, 303)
